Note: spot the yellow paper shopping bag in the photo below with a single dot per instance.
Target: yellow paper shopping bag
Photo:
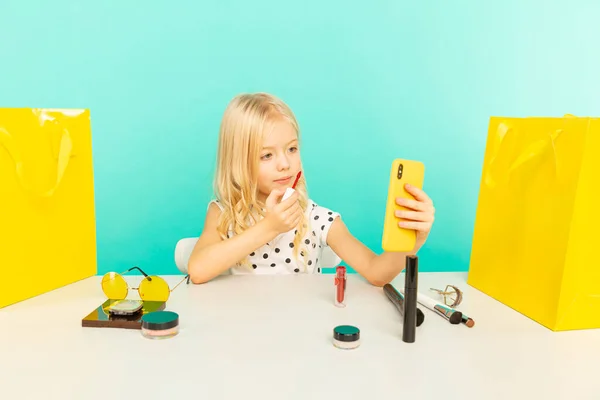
(47, 222)
(537, 226)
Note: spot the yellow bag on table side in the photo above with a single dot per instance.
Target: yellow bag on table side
(537, 228)
(47, 215)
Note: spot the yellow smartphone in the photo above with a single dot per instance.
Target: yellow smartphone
(395, 238)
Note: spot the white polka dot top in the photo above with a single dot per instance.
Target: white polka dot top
(277, 257)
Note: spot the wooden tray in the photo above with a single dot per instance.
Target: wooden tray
(101, 318)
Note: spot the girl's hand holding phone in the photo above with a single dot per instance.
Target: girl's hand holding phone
(409, 211)
(419, 215)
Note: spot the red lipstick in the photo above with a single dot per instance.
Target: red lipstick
(340, 283)
(297, 179)
(289, 191)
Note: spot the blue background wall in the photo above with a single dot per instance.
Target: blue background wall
(369, 81)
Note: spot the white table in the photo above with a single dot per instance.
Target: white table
(269, 337)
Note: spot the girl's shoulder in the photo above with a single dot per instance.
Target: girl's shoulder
(216, 202)
(320, 219)
(318, 209)
(320, 213)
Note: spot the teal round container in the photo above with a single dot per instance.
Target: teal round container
(160, 325)
(346, 337)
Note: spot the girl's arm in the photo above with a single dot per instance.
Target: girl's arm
(383, 268)
(212, 255)
(377, 269)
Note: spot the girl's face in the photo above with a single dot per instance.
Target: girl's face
(279, 159)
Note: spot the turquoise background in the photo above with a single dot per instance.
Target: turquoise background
(369, 81)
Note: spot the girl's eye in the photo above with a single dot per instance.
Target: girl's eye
(293, 149)
(266, 156)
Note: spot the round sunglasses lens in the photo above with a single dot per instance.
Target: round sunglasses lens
(114, 286)
(155, 290)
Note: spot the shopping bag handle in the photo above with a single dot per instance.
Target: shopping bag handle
(64, 155)
(533, 150)
(536, 149)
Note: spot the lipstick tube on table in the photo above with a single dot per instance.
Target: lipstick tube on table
(340, 286)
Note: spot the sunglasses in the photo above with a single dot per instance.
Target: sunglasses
(452, 295)
(151, 288)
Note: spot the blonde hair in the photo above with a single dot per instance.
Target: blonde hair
(246, 121)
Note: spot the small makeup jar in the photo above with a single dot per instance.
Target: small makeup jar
(346, 337)
(160, 325)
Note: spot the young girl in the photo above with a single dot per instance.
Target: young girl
(249, 229)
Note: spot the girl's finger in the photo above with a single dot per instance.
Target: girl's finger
(287, 214)
(295, 212)
(418, 193)
(412, 204)
(297, 218)
(414, 215)
(290, 201)
(417, 226)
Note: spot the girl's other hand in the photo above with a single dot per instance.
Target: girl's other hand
(285, 216)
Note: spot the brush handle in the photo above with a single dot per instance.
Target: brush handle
(397, 300)
(448, 313)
